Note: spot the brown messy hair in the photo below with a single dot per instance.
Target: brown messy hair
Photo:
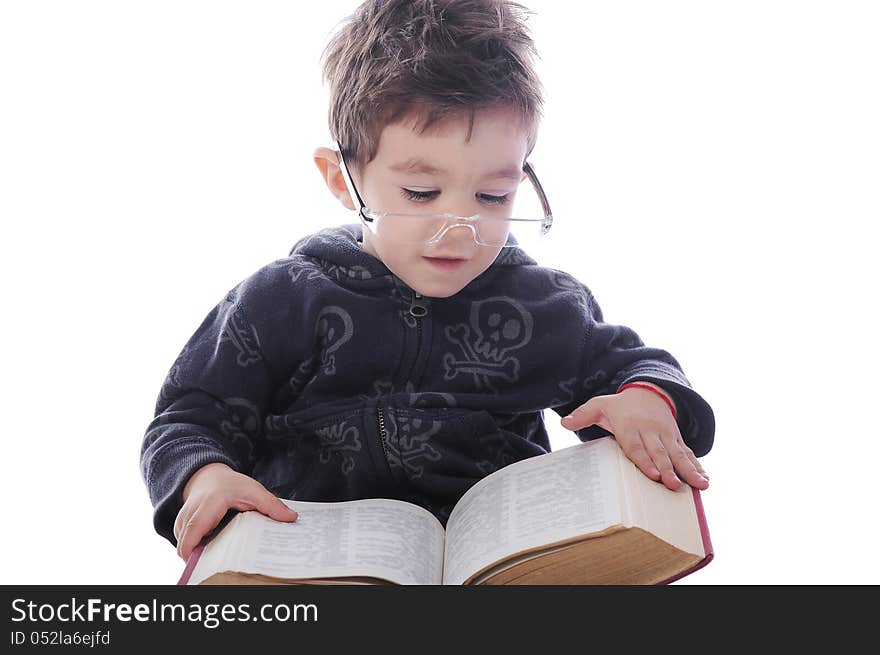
(429, 60)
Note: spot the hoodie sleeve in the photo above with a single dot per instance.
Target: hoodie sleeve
(213, 401)
(614, 355)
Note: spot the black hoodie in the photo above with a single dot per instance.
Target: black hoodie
(325, 377)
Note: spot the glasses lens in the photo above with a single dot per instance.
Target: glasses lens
(486, 231)
(409, 228)
(525, 233)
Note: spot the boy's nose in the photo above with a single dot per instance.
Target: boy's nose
(456, 233)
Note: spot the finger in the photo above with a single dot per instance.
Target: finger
(697, 463)
(197, 526)
(686, 464)
(633, 447)
(180, 520)
(184, 517)
(275, 508)
(182, 553)
(590, 413)
(660, 456)
(256, 497)
(184, 549)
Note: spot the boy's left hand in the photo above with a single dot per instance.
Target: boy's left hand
(646, 430)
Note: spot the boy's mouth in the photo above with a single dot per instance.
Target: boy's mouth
(446, 263)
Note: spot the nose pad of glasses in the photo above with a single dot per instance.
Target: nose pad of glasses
(449, 226)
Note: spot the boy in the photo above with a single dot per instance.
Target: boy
(413, 353)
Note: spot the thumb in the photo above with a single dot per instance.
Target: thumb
(275, 508)
(590, 413)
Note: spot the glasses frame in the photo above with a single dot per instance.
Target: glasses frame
(369, 216)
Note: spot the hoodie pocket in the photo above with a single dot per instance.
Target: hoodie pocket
(327, 457)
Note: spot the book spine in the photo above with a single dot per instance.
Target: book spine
(704, 527)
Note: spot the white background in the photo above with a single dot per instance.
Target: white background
(713, 169)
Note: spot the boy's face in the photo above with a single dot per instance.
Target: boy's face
(468, 174)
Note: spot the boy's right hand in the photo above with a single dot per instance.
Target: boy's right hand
(210, 492)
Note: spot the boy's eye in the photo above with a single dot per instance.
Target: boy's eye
(418, 196)
(424, 196)
(493, 200)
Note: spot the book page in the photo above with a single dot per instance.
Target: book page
(223, 548)
(376, 537)
(670, 515)
(562, 494)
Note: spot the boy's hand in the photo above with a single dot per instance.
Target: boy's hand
(646, 430)
(210, 492)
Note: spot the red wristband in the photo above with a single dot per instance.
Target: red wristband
(655, 390)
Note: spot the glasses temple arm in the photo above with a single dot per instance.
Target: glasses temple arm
(545, 204)
(349, 183)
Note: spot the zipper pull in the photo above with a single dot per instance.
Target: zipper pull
(418, 308)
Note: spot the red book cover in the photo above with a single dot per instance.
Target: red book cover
(191, 562)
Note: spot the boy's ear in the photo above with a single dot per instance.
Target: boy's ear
(327, 161)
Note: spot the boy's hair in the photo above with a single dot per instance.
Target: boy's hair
(428, 60)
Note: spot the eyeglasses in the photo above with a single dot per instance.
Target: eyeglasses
(428, 229)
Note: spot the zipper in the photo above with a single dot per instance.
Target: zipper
(383, 436)
(418, 310)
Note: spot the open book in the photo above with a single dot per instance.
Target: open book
(581, 515)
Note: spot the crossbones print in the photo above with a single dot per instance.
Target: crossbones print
(498, 326)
